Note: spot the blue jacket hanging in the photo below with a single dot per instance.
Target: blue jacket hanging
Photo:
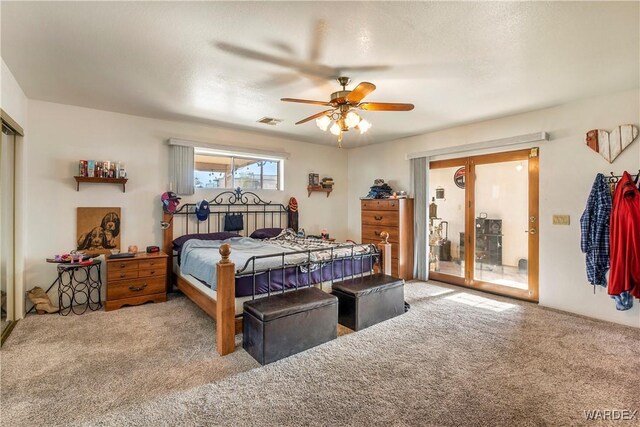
(594, 228)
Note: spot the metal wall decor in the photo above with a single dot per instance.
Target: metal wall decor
(459, 177)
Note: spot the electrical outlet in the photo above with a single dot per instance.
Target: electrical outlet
(561, 220)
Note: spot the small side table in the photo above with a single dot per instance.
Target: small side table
(79, 287)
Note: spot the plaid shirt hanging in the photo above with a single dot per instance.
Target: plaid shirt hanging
(594, 228)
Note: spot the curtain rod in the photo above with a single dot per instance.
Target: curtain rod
(495, 143)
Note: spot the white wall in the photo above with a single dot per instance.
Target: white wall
(60, 135)
(14, 101)
(567, 170)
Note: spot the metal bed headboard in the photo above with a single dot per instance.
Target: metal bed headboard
(256, 213)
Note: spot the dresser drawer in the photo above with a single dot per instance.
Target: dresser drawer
(121, 274)
(394, 247)
(123, 266)
(382, 204)
(380, 218)
(152, 272)
(137, 287)
(158, 264)
(372, 232)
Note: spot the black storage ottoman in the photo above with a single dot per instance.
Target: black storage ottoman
(281, 325)
(367, 300)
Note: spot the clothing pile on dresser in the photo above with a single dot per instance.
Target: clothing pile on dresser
(610, 238)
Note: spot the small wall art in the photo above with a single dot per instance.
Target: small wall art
(98, 229)
(610, 144)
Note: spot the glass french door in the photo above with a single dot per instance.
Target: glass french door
(483, 222)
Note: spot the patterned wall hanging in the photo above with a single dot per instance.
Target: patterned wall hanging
(610, 144)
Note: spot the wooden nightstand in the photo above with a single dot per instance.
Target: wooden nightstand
(133, 281)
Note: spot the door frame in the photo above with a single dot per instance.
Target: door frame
(533, 258)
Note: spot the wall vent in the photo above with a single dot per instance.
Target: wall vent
(269, 121)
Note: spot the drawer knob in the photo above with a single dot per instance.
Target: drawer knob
(122, 275)
(137, 288)
(377, 233)
(378, 217)
(123, 265)
(152, 272)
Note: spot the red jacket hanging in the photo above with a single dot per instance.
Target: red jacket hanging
(625, 239)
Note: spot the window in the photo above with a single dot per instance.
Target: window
(226, 171)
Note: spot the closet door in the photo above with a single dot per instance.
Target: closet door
(7, 207)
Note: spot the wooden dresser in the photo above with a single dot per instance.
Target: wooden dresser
(132, 281)
(394, 216)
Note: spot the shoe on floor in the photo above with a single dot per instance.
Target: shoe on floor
(40, 299)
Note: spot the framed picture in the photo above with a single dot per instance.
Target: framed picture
(314, 179)
(98, 229)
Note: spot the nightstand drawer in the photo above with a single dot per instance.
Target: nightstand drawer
(157, 264)
(152, 272)
(122, 265)
(137, 287)
(122, 274)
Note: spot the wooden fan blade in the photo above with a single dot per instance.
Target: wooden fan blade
(385, 106)
(306, 101)
(362, 90)
(315, 116)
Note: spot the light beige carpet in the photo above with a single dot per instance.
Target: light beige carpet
(456, 358)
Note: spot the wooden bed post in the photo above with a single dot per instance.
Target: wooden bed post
(225, 303)
(385, 253)
(167, 246)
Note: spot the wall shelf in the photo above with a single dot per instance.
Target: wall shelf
(318, 188)
(97, 180)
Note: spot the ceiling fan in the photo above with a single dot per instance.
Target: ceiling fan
(343, 104)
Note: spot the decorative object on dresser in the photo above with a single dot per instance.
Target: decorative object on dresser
(396, 217)
(133, 281)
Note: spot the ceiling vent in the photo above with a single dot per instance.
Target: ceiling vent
(269, 121)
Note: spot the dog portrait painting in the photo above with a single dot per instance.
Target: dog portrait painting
(98, 229)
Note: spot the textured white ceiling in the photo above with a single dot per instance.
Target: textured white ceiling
(229, 63)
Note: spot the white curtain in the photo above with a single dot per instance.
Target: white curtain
(419, 183)
(181, 166)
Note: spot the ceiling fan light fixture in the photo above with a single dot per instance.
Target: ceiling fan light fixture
(335, 129)
(364, 126)
(352, 119)
(323, 122)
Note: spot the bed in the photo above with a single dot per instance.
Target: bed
(219, 275)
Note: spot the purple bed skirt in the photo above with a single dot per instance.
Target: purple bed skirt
(293, 275)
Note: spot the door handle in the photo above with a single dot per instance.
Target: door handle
(531, 231)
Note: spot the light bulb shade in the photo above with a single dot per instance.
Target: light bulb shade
(335, 129)
(323, 122)
(352, 119)
(364, 126)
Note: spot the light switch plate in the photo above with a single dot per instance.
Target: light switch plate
(561, 220)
